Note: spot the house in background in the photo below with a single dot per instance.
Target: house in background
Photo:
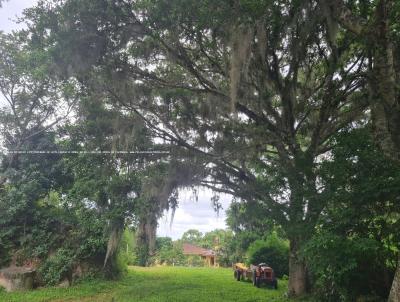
(208, 256)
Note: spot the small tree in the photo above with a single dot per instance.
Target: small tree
(192, 236)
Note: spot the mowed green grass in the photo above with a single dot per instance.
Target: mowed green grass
(158, 284)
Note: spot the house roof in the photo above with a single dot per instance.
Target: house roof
(190, 249)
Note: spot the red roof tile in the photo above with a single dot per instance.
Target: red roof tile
(190, 249)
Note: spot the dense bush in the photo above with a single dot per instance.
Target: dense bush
(274, 251)
(345, 269)
(57, 267)
(169, 253)
(58, 234)
(354, 251)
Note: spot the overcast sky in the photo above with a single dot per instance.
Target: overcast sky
(191, 214)
(10, 10)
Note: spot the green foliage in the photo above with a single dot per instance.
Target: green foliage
(168, 252)
(127, 247)
(273, 251)
(57, 267)
(192, 236)
(116, 267)
(167, 69)
(355, 249)
(42, 219)
(249, 224)
(40, 223)
(163, 242)
(222, 242)
(142, 255)
(344, 268)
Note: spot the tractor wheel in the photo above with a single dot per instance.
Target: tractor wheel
(254, 279)
(258, 281)
(237, 275)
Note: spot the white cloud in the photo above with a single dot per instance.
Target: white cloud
(10, 11)
(192, 214)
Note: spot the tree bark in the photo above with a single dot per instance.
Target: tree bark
(394, 295)
(297, 271)
(385, 105)
(146, 237)
(300, 228)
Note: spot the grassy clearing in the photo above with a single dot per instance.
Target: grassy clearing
(158, 284)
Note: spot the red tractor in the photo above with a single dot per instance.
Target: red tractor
(264, 274)
(258, 274)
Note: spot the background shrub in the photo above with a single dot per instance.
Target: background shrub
(57, 267)
(274, 251)
(347, 268)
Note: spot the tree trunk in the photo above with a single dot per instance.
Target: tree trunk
(385, 105)
(394, 295)
(297, 271)
(146, 238)
(142, 247)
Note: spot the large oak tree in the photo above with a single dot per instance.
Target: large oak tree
(256, 88)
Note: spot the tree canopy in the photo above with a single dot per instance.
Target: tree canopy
(258, 99)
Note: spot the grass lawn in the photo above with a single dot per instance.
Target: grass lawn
(158, 284)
